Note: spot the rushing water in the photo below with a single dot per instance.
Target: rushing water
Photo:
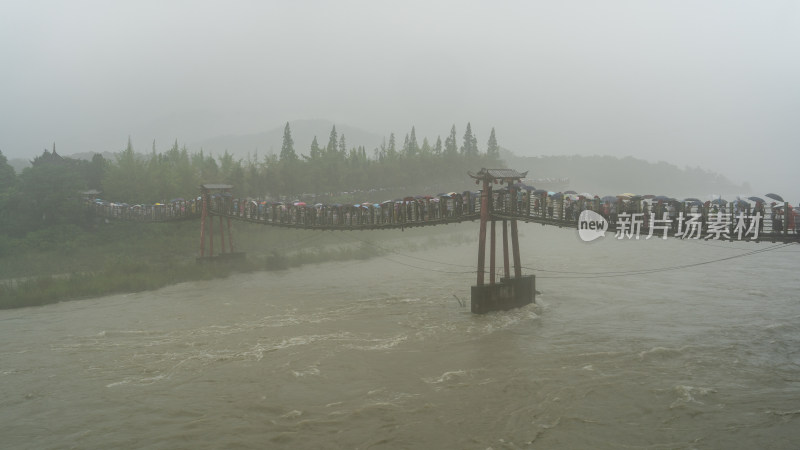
(379, 353)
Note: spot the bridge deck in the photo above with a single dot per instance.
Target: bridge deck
(456, 208)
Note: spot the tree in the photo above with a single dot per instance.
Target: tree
(287, 149)
(332, 141)
(125, 180)
(437, 149)
(450, 146)
(96, 172)
(413, 147)
(391, 150)
(8, 176)
(50, 194)
(492, 149)
(315, 152)
(426, 147)
(470, 146)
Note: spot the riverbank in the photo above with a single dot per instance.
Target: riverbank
(131, 257)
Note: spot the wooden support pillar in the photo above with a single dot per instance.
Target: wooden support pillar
(221, 236)
(514, 236)
(485, 194)
(210, 237)
(506, 271)
(492, 247)
(230, 236)
(786, 218)
(515, 249)
(203, 216)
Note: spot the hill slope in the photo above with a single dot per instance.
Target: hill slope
(609, 175)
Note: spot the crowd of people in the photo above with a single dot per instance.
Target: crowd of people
(521, 201)
(174, 209)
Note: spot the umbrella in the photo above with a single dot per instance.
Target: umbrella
(756, 199)
(661, 198)
(299, 203)
(692, 200)
(718, 201)
(609, 198)
(540, 191)
(648, 196)
(775, 197)
(558, 195)
(571, 192)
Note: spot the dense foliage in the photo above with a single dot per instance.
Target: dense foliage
(48, 193)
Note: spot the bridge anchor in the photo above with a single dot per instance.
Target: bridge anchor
(509, 292)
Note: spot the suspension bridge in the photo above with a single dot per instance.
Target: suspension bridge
(504, 199)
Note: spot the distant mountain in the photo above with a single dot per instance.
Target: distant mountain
(109, 156)
(610, 175)
(18, 164)
(303, 132)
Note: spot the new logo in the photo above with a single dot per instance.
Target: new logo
(591, 225)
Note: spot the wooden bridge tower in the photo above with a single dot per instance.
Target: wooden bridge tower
(509, 292)
(209, 193)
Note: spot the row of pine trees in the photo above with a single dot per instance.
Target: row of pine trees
(48, 192)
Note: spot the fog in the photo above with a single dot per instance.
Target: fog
(709, 84)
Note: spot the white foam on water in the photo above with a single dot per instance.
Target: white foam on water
(688, 394)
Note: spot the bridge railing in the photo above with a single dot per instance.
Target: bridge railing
(409, 211)
(530, 206)
(178, 209)
(564, 210)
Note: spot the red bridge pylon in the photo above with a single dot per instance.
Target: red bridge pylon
(214, 193)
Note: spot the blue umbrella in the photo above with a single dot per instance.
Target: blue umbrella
(775, 197)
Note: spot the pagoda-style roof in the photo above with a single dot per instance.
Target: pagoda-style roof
(501, 175)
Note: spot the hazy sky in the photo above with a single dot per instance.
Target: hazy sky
(714, 84)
